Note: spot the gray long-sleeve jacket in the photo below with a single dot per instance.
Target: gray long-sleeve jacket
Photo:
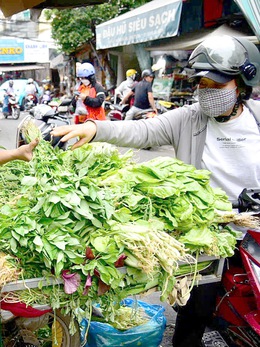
(183, 128)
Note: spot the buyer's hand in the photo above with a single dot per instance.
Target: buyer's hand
(24, 153)
(85, 132)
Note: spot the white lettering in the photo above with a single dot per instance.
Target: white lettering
(137, 25)
(163, 18)
(121, 29)
(109, 32)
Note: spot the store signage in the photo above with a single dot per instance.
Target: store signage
(23, 51)
(162, 88)
(152, 21)
(251, 11)
(11, 51)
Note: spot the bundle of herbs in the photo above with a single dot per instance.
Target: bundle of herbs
(106, 226)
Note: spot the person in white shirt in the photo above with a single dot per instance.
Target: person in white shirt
(30, 87)
(126, 86)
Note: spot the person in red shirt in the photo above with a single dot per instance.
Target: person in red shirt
(91, 95)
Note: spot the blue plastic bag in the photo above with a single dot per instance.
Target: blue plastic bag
(148, 334)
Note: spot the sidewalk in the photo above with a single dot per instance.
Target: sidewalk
(169, 313)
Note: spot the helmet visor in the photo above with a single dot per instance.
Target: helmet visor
(223, 54)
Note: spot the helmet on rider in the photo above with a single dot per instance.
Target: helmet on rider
(131, 73)
(29, 81)
(147, 73)
(85, 70)
(228, 57)
(11, 83)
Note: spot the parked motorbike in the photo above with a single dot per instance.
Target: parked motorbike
(12, 107)
(46, 119)
(237, 316)
(37, 326)
(30, 101)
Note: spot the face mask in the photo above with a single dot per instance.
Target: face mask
(215, 102)
(85, 81)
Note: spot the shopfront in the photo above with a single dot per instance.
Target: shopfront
(23, 58)
(128, 35)
(162, 35)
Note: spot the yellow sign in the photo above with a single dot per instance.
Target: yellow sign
(11, 50)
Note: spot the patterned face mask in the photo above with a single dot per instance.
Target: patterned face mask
(215, 102)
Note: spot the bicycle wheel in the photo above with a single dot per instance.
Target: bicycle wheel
(49, 330)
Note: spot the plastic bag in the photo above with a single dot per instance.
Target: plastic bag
(148, 334)
(80, 108)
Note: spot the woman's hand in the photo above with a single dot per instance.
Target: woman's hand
(85, 132)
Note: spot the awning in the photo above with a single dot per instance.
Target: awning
(57, 62)
(251, 11)
(190, 40)
(10, 7)
(5, 68)
(154, 20)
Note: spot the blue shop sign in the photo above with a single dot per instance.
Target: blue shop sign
(11, 51)
(251, 11)
(152, 21)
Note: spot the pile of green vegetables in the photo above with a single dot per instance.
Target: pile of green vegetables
(107, 226)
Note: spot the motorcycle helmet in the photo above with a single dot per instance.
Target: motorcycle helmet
(11, 83)
(29, 81)
(147, 73)
(229, 56)
(85, 70)
(131, 73)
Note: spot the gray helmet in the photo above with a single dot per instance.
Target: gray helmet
(228, 55)
(147, 72)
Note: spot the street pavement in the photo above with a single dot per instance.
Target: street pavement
(8, 127)
(8, 141)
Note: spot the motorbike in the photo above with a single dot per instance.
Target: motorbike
(118, 112)
(162, 106)
(62, 107)
(12, 107)
(237, 316)
(46, 98)
(37, 326)
(46, 119)
(30, 101)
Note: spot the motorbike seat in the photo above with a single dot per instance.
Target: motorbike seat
(121, 108)
(141, 114)
(65, 102)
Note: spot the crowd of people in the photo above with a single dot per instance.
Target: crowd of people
(219, 133)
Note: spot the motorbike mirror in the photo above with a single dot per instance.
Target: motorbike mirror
(249, 200)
